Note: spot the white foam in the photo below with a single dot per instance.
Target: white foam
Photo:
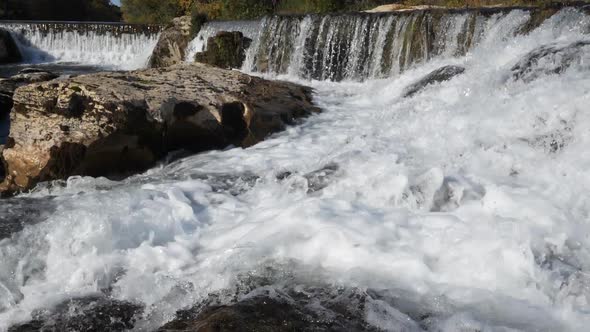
(507, 251)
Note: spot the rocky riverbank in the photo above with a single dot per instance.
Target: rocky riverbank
(117, 124)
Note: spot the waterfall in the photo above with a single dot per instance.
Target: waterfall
(117, 46)
(361, 46)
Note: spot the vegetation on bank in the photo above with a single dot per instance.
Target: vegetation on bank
(59, 10)
(162, 11)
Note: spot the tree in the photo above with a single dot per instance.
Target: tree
(60, 10)
(151, 11)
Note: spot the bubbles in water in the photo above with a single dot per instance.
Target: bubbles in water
(464, 206)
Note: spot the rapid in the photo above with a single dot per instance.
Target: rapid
(462, 207)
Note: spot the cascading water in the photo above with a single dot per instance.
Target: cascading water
(99, 44)
(463, 207)
(361, 46)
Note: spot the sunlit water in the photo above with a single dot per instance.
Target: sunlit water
(81, 45)
(456, 203)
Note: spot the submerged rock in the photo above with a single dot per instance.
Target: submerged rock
(225, 50)
(440, 75)
(270, 310)
(97, 313)
(9, 52)
(275, 297)
(171, 46)
(550, 59)
(115, 124)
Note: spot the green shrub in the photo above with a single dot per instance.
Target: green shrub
(151, 11)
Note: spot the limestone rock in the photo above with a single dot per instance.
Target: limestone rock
(7, 87)
(172, 44)
(93, 313)
(9, 52)
(114, 124)
(225, 50)
(440, 75)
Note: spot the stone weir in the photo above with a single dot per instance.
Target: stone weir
(111, 45)
(99, 28)
(360, 46)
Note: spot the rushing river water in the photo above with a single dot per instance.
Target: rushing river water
(464, 207)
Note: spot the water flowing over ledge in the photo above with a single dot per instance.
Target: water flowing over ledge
(459, 205)
(111, 45)
(363, 46)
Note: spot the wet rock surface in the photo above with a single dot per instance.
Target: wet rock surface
(440, 75)
(9, 52)
(274, 298)
(172, 44)
(89, 314)
(262, 313)
(115, 124)
(268, 308)
(551, 59)
(225, 50)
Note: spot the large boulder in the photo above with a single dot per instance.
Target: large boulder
(9, 52)
(171, 47)
(114, 124)
(225, 50)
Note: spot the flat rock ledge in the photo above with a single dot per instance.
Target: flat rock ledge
(119, 123)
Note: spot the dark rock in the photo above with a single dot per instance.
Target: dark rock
(89, 314)
(172, 44)
(440, 75)
(333, 310)
(274, 297)
(9, 52)
(320, 179)
(549, 59)
(116, 124)
(225, 50)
